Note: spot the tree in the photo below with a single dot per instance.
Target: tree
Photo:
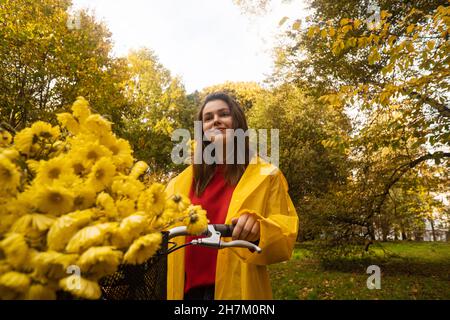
(396, 76)
(45, 65)
(159, 106)
(246, 93)
(311, 169)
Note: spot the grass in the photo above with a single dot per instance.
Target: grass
(409, 270)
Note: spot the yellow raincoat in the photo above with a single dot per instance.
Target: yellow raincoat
(241, 274)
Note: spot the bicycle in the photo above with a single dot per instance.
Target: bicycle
(148, 281)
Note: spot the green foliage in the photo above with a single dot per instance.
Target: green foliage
(409, 271)
(395, 76)
(45, 65)
(303, 123)
(160, 106)
(245, 93)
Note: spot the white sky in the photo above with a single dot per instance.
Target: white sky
(205, 42)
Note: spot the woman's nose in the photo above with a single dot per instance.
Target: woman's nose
(216, 119)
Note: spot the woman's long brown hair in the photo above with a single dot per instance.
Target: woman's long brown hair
(203, 172)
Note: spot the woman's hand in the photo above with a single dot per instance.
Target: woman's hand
(246, 228)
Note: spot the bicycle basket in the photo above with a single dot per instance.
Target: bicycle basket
(146, 281)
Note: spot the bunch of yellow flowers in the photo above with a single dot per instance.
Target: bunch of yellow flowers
(73, 195)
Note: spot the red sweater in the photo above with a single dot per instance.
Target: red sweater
(200, 262)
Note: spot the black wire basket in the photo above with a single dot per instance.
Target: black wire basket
(147, 281)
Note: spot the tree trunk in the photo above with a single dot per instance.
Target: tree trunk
(433, 231)
(404, 234)
(418, 235)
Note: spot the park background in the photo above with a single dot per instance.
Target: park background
(358, 90)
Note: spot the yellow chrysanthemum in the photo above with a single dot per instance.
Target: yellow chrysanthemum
(52, 264)
(41, 239)
(31, 223)
(84, 197)
(9, 176)
(97, 235)
(98, 262)
(143, 248)
(66, 227)
(10, 153)
(25, 202)
(90, 151)
(54, 199)
(44, 130)
(58, 148)
(196, 220)
(13, 285)
(122, 154)
(125, 186)
(102, 174)
(125, 207)
(15, 249)
(40, 292)
(130, 228)
(81, 287)
(164, 219)
(4, 267)
(152, 200)
(97, 125)
(6, 221)
(24, 140)
(108, 139)
(5, 138)
(54, 169)
(139, 169)
(33, 227)
(178, 203)
(106, 203)
(68, 122)
(80, 165)
(81, 109)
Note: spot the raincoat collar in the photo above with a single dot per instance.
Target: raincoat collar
(253, 176)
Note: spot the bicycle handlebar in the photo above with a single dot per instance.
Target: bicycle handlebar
(226, 230)
(213, 237)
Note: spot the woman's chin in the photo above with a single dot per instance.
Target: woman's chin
(218, 138)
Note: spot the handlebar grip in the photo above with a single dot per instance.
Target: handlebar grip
(226, 230)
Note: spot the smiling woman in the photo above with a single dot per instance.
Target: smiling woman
(218, 113)
(246, 195)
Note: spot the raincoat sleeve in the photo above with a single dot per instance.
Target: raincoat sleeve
(278, 226)
(170, 188)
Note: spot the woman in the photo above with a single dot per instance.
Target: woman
(243, 194)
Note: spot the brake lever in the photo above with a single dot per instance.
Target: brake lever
(214, 240)
(241, 244)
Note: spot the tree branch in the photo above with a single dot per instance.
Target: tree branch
(441, 108)
(403, 169)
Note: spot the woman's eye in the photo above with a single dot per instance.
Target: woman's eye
(225, 114)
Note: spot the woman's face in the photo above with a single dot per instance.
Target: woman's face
(216, 119)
